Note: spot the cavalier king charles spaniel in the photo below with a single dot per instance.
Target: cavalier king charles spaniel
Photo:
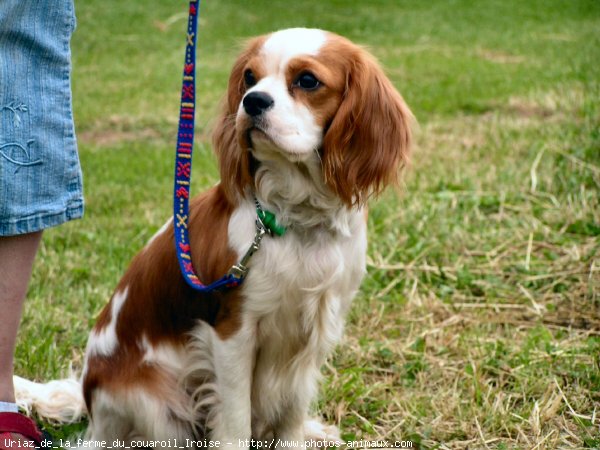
(311, 129)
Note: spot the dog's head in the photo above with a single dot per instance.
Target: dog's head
(301, 94)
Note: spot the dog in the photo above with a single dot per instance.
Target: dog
(311, 128)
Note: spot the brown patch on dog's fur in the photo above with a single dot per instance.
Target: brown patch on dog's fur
(368, 140)
(160, 306)
(235, 161)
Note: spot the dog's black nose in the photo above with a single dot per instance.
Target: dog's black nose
(255, 103)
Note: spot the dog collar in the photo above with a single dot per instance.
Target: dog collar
(267, 218)
(265, 224)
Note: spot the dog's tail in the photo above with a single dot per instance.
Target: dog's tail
(59, 401)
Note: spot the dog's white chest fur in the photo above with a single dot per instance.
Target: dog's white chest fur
(297, 294)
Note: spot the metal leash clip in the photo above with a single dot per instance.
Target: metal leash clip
(240, 270)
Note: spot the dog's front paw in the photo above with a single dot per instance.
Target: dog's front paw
(318, 435)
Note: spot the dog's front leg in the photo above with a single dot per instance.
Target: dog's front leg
(291, 431)
(302, 388)
(233, 363)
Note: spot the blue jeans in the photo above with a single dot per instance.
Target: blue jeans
(40, 174)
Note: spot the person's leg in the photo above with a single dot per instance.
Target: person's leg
(17, 254)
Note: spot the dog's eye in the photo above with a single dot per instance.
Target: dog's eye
(249, 78)
(307, 81)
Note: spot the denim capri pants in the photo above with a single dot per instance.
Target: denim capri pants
(40, 174)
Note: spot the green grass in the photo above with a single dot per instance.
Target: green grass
(478, 325)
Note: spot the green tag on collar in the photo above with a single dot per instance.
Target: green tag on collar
(268, 219)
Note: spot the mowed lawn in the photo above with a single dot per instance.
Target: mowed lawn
(478, 324)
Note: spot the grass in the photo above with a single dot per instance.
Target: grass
(478, 325)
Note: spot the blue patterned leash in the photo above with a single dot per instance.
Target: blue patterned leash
(265, 220)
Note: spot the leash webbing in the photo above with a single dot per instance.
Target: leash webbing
(265, 220)
(183, 163)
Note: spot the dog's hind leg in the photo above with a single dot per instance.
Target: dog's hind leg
(136, 413)
(109, 420)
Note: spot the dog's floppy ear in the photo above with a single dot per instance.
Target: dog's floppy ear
(234, 161)
(369, 137)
